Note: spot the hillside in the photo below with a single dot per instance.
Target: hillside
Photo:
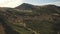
(30, 19)
(25, 6)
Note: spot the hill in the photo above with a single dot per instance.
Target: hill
(26, 6)
(49, 8)
(30, 19)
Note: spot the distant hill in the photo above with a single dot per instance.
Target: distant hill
(30, 19)
(26, 6)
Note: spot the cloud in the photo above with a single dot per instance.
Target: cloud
(56, 3)
(11, 3)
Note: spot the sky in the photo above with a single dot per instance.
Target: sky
(14, 3)
(10, 3)
(43, 2)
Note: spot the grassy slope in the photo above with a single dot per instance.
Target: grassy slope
(38, 21)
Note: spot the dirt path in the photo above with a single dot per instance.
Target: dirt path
(29, 29)
(1, 29)
(32, 30)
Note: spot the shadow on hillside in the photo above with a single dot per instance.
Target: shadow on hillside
(8, 29)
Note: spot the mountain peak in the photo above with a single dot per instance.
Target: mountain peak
(25, 6)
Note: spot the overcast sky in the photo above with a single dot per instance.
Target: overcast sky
(14, 3)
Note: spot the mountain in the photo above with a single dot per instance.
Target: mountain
(49, 8)
(30, 19)
(26, 6)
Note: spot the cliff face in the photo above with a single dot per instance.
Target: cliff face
(30, 19)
